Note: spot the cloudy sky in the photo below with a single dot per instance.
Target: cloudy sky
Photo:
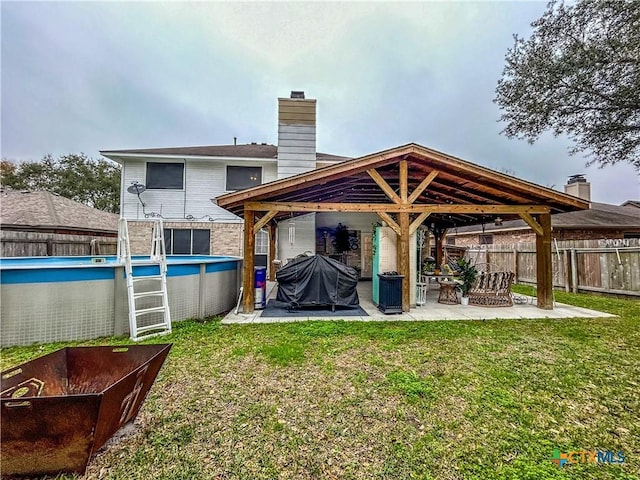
(89, 76)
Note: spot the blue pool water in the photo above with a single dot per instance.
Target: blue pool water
(69, 269)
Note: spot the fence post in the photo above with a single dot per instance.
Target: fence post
(574, 271)
(567, 271)
(49, 247)
(515, 263)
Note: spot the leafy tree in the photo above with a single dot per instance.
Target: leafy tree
(578, 74)
(86, 180)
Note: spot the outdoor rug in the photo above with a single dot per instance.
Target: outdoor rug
(281, 309)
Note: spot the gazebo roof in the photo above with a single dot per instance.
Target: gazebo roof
(456, 192)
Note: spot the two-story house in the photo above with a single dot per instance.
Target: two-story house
(178, 184)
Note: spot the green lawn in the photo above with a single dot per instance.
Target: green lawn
(450, 399)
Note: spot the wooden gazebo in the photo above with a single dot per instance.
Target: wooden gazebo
(404, 186)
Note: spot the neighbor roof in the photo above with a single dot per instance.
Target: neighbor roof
(600, 216)
(456, 182)
(45, 210)
(250, 150)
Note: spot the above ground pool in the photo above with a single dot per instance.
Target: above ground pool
(51, 299)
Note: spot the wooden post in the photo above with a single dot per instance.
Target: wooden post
(273, 228)
(544, 275)
(567, 271)
(403, 260)
(404, 181)
(437, 235)
(515, 263)
(574, 271)
(249, 261)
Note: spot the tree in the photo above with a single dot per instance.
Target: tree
(86, 180)
(578, 74)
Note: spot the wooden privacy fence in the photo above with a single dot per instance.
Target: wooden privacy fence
(37, 244)
(609, 266)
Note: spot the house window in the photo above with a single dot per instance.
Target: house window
(182, 241)
(486, 239)
(262, 243)
(165, 175)
(239, 178)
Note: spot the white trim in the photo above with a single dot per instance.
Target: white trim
(150, 157)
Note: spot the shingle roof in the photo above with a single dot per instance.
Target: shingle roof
(250, 150)
(599, 216)
(47, 210)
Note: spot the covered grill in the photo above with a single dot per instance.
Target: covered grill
(317, 281)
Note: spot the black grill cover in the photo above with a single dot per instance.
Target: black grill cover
(317, 280)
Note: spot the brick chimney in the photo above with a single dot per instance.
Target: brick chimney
(296, 135)
(578, 186)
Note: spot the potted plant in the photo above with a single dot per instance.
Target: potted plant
(428, 266)
(467, 275)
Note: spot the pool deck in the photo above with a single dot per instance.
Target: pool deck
(431, 311)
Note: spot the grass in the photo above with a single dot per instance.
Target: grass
(333, 399)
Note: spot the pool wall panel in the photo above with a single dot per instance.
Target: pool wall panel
(76, 309)
(223, 297)
(183, 296)
(54, 312)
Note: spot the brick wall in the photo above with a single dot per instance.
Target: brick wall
(225, 238)
(587, 234)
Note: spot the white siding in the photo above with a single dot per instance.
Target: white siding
(305, 237)
(296, 149)
(204, 180)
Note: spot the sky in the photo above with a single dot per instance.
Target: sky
(87, 76)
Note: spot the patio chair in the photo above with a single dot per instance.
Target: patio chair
(492, 289)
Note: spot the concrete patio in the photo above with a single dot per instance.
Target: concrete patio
(432, 310)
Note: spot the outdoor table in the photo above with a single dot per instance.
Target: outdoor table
(448, 292)
(437, 277)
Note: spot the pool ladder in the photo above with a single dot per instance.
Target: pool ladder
(137, 285)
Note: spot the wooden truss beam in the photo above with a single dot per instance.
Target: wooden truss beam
(424, 184)
(386, 188)
(264, 220)
(394, 208)
(535, 226)
(390, 221)
(418, 221)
